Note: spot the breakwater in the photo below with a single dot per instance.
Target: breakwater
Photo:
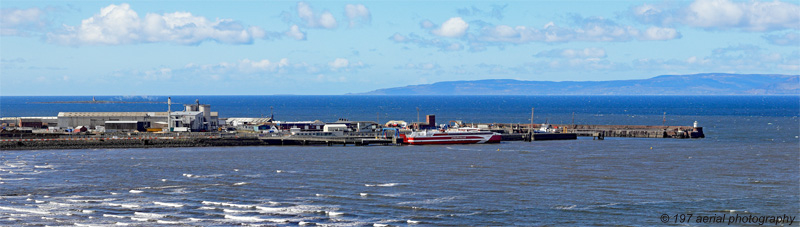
(638, 131)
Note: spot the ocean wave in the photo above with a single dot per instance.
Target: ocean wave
(175, 205)
(383, 185)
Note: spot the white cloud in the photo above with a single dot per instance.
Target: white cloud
(307, 15)
(591, 52)
(423, 42)
(420, 66)
(426, 24)
(342, 64)
(734, 59)
(158, 74)
(339, 63)
(356, 13)
(787, 39)
(754, 16)
(658, 33)
(119, 24)
(327, 20)
(594, 29)
(19, 22)
(453, 28)
(295, 33)
(248, 66)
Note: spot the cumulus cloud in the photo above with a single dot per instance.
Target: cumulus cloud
(342, 64)
(754, 16)
(658, 33)
(453, 28)
(20, 22)
(311, 20)
(787, 39)
(339, 63)
(591, 30)
(119, 24)
(357, 13)
(295, 33)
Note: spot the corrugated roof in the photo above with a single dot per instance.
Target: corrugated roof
(118, 114)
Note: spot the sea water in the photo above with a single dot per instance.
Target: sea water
(747, 165)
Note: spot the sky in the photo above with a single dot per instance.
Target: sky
(211, 47)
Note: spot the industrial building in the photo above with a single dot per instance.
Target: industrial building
(195, 117)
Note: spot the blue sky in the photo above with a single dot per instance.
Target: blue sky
(338, 47)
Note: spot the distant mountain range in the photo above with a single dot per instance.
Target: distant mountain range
(696, 84)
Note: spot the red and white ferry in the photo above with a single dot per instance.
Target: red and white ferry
(454, 136)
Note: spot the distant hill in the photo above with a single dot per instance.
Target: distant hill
(696, 84)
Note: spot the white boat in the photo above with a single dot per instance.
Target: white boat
(453, 136)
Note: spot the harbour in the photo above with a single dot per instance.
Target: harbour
(196, 125)
(28, 140)
(745, 165)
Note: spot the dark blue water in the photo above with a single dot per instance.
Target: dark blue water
(749, 164)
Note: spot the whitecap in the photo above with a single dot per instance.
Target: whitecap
(240, 183)
(270, 209)
(87, 211)
(114, 216)
(570, 207)
(382, 185)
(135, 191)
(229, 205)
(123, 205)
(244, 218)
(363, 194)
(176, 205)
(122, 224)
(379, 225)
(24, 210)
(167, 222)
(332, 213)
(433, 201)
(140, 219)
(149, 215)
(236, 211)
(211, 203)
(305, 223)
(412, 222)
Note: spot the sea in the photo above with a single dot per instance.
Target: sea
(747, 165)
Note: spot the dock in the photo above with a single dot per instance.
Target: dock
(510, 132)
(599, 131)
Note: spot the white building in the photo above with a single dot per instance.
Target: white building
(195, 117)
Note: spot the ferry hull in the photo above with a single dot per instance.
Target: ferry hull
(451, 139)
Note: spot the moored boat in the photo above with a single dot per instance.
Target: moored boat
(454, 136)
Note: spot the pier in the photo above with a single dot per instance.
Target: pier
(510, 132)
(600, 131)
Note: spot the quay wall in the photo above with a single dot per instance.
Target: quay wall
(34, 144)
